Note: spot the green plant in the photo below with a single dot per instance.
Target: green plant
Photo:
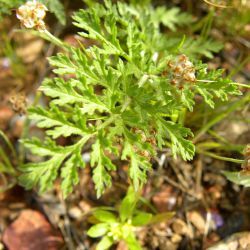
(238, 177)
(113, 228)
(8, 50)
(7, 168)
(125, 96)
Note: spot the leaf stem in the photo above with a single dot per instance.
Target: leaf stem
(241, 85)
(107, 122)
(126, 104)
(6, 139)
(222, 158)
(51, 38)
(218, 5)
(220, 116)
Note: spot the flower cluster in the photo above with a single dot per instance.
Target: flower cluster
(31, 15)
(19, 103)
(182, 70)
(151, 140)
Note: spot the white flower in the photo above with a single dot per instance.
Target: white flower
(31, 15)
(40, 11)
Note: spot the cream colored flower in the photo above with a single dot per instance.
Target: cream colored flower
(182, 70)
(40, 25)
(31, 15)
(40, 11)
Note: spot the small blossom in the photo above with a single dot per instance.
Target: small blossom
(31, 15)
(40, 25)
(19, 102)
(181, 70)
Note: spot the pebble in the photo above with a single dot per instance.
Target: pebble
(75, 213)
(176, 238)
(31, 231)
(197, 220)
(180, 227)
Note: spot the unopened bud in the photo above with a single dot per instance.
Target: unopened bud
(181, 71)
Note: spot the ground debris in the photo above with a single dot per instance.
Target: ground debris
(238, 241)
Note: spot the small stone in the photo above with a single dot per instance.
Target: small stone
(122, 246)
(1, 246)
(180, 227)
(165, 199)
(85, 206)
(75, 213)
(237, 241)
(31, 231)
(197, 220)
(233, 245)
(244, 241)
(176, 238)
(170, 246)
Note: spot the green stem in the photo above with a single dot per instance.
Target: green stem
(218, 5)
(239, 66)
(46, 35)
(126, 104)
(8, 168)
(51, 38)
(6, 139)
(241, 85)
(107, 122)
(80, 143)
(182, 116)
(220, 117)
(25, 131)
(222, 158)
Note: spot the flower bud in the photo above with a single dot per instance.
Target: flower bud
(181, 71)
